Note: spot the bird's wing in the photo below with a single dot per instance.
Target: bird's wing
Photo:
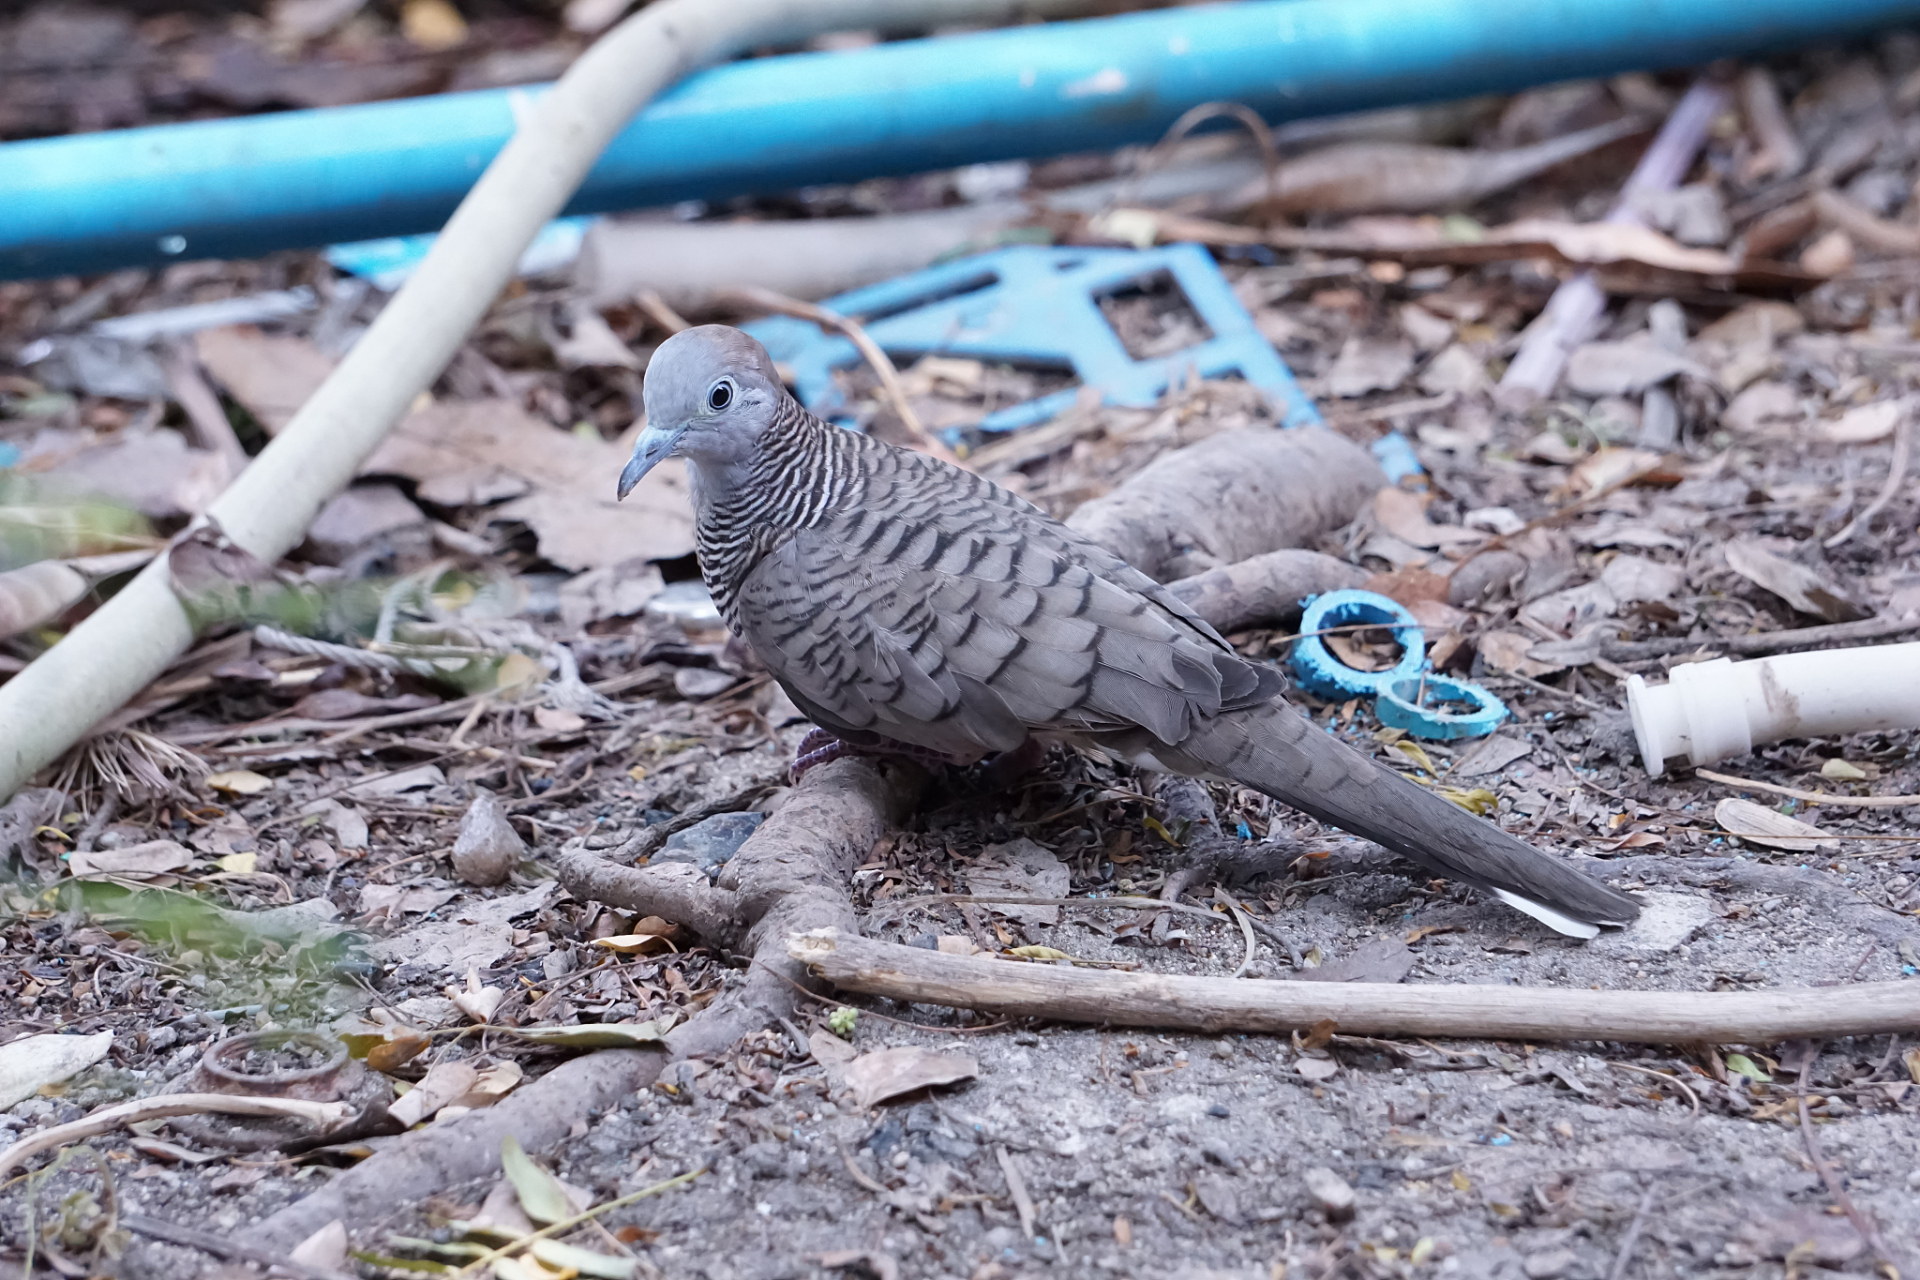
(963, 635)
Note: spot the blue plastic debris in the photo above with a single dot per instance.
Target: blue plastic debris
(1322, 673)
(1417, 706)
(9, 454)
(388, 262)
(1031, 304)
(1402, 702)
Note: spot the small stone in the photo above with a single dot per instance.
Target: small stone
(1330, 1191)
(708, 845)
(695, 683)
(1217, 1197)
(1548, 1265)
(1219, 1111)
(488, 848)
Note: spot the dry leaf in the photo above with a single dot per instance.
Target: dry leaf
(1623, 368)
(1369, 364)
(478, 1002)
(888, 1073)
(30, 1063)
(239, 864)
(433, 25)
(1864, 425)
(560, 484)
(1798, 585)
(37, 594)
(1404, 515)
(240, 782)
(1410, 177)
(271, 375)
(1508, 650)
(1761, 404)
(154, 857)
(1610, 468)
(542, 1197)
(1020, 869)
(1758, 824)
(443, 1082)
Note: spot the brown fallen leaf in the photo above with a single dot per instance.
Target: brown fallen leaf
(1798, 585)
(1404, 515)
(888, 1073)
(443, 1082)
(35, 595)
(559, 484)
(1369, 364)
(152, 858)
(1865, 424)
(1757, 824)
(1404, 177)
(271, 375)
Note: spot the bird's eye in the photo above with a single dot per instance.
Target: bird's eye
(720, 395)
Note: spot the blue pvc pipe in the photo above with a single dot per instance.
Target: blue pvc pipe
(303, 178)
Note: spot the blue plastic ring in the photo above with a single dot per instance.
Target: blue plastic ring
(1324, 674)
(1397, 710)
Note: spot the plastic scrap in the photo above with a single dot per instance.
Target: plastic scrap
(1039, 305)
(387, 262)
(1418, 706)
(1408, 696)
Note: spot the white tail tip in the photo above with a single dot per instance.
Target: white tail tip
(1548, 916)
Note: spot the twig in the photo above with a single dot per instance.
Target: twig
(1675, 1081)
(1246, 927)
(1896, 473)
(321, 1115)
(860, 1176)
(1869, 1232)
(1084, 904)
(819, 999)
(1017, 1188)
(1576, 306)
(645, 842)
(567, 1224)
(657, 310)
(1631, 1239)
(1480, 1012)
(1764, 641)
(1815, 797)
(869, 350)
(222, 1247)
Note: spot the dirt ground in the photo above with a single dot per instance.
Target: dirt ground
(272, 828)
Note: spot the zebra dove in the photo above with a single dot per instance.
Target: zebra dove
(902, 601)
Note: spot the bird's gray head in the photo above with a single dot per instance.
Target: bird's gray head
(709, 393)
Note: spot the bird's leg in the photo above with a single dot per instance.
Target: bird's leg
(1009, 767)
(820, 746)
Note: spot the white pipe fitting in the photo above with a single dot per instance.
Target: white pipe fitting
(1711, 711)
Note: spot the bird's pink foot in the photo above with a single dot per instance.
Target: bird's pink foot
(819, 747)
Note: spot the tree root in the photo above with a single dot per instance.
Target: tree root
(1266, 590)
(459, 1150)
(791, 875)
(1232, 496)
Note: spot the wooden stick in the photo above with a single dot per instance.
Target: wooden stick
(321, 1115)
(919, 437)
(1813, 797)
(1476, 1012)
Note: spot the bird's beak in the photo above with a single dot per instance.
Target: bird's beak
(649, 450)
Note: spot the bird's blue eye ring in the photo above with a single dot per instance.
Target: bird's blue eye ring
(720, 395)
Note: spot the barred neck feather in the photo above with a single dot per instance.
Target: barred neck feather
(801, 468)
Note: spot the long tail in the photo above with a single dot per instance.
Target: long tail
(1274, 749)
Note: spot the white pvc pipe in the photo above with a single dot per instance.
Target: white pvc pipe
(1710, 711)
(117, 651)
